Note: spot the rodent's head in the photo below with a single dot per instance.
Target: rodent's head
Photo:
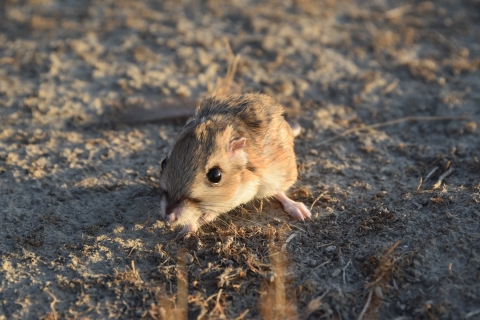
(206, 173)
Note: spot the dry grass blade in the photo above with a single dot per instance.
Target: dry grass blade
(276, 301)
(242, 316)
(389, 123)
(430, 174)
(313, 306)
(419, 185)
(378, 286)
(224, 86)
(472, 313)
(440, 179)
(131, 274)
(52, 304)
(168, 307)
(182, 285)
(367, 304)
(316, 199)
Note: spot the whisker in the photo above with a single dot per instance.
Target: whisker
(252, 221)
(227, 224)
(220, 220)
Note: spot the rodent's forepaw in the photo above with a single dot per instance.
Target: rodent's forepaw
(192, 227)
(188, 231)
(296, 209)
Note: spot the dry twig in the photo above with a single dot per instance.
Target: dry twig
(318, 198)
(440, 179)
(472, 313)
(344, 268)
(430, 174)
(52, 304)
(224, 86)
(382, 274)
(313, 306)
(367, 304)
(388, 123)
(182, 286)
(419, 185)
(242, 316)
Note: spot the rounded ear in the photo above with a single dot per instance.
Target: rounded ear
(237, 144)
(236, 148)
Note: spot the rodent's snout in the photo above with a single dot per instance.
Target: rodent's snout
(171, 211)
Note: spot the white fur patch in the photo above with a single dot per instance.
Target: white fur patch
(240, 156)
(271, 182)
(245, 193)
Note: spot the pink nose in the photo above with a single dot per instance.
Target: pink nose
(171, 211)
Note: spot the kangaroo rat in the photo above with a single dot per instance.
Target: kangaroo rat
(236, 148)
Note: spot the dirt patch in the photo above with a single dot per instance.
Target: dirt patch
(81, 235)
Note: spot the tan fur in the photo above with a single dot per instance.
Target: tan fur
(265, 166)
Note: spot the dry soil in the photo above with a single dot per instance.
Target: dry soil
(396, 233)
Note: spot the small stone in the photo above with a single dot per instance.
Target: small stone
(379, 293)
(464, 52)
(312, 262)
(453, 127)
(183, 92)
(166, 91)
(285, 87)
(188, 258)
(314, 152)
(302, 86)
(336, 273)
(461, 149)
(470, 127)
(330, 248)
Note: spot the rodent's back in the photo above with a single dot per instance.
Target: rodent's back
(251, 112)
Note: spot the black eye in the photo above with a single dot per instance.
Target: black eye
(214, 175)
(164, 163)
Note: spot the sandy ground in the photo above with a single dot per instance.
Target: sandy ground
(80, 232)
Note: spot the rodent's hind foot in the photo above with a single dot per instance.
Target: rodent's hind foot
(296, 209)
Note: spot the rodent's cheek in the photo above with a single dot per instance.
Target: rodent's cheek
(245, 192)
(217, 198)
